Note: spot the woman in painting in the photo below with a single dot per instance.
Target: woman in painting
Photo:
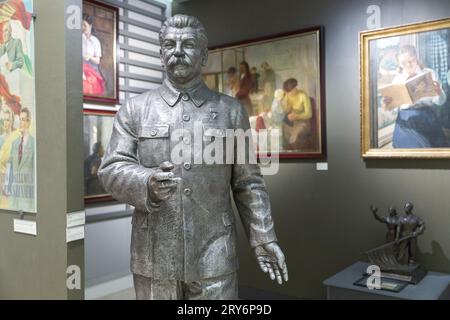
(8, 135)
(268, 84)
(245, 86)
(233, 81)
(417, 125)
(298, 114)
(93, 81)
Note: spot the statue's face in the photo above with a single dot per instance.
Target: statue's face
(182, 54)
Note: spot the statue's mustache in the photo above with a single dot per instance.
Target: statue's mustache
(175, 61)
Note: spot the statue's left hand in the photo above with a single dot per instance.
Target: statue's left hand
(271, 260)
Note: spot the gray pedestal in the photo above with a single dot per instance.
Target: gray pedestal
(435, 286)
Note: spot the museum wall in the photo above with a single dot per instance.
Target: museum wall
(35, 267)
(322, 218)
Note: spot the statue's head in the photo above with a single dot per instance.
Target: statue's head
(184, 48)
(392, 211)
(409, 207)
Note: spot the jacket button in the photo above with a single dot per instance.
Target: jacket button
(187, 140)
(186, 117)
(185, 97)
(187, 166)
(153, 133)
(187, 191)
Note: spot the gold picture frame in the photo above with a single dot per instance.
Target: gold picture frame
(394, 126)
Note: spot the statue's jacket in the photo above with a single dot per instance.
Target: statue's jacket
(191, 236)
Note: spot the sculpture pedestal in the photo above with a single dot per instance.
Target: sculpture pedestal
(413, 274)
(434, 286)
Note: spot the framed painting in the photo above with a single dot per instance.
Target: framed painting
(279, 79)
(17, 107)
(100, 52)
(405, 103)
(98, 126)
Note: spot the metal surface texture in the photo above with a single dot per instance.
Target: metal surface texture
(183, 224)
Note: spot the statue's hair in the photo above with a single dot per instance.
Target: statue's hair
(181, 21)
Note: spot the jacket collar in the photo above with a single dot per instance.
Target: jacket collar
(172, 96)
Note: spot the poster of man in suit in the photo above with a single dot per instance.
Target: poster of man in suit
(17, 107)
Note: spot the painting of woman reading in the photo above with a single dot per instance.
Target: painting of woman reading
(405, 91)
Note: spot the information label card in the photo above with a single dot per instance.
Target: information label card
(25, 227)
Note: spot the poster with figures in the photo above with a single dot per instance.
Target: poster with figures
(17, 107)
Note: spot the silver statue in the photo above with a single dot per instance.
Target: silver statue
(184, 238)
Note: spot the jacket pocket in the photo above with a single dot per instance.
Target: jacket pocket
(154, 144)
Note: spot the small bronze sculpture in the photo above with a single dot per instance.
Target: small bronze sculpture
(411, 227)
(397, 258)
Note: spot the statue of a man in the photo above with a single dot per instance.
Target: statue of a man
(392, 221)
(184, 237)
(410, 225)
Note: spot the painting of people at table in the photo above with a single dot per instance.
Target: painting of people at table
(411, 96)
(278, 81)
(17, 107)
(100, 52)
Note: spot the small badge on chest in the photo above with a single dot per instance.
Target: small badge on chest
(214, 113)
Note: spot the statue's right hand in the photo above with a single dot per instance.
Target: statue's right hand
(373, 209)
(162, 184)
